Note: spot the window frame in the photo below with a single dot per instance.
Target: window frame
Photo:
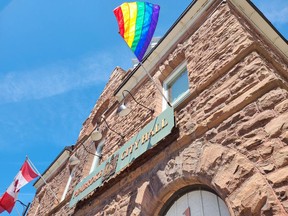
(186, 190)
(170, 79)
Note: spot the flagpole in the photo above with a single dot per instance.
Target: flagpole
(17, 211)
(151, 78)
(42, 179)
(155, 83)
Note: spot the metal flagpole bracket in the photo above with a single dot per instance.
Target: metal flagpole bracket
(25, 206)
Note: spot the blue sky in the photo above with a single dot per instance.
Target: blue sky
(55, 58)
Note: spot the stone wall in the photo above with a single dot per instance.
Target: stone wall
(232, 130)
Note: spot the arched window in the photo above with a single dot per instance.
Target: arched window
(101, 110)
(195, 202)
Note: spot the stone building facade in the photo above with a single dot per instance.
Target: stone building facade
(229, 140)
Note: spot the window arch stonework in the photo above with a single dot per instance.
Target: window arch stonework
(101, 110)
(232, 176)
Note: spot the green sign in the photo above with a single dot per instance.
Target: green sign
(148, 137)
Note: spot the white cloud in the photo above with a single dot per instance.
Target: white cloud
(54, 79)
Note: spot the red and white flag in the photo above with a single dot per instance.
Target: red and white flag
(1, 209)
(25, 175)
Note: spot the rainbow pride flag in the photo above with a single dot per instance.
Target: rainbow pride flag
(137, 22)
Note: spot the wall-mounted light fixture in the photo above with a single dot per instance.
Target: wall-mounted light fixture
(73, 160)
(123, 110)
(97, 135)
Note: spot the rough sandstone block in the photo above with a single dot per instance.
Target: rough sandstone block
(281, 157)
(277, 125)
(233, 173)
(267, 167)
(266, 150)
(269, 100)
(191, 156)
(217, 100)
(282, 107)
(242, 86)
(284, 137)
(253, 197)
(242, 101)
(258, 121)
(254, 142)
(279, 177)
(211, 159)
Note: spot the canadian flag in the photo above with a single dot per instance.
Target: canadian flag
(25, 175)
(1, 209)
